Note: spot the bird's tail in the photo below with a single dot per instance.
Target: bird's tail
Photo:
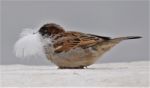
(118, 39)
(108, 44)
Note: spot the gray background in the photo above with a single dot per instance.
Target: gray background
(109, 18)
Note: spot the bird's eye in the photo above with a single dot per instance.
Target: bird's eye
(45, 30)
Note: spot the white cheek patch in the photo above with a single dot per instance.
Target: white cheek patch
(29, 44)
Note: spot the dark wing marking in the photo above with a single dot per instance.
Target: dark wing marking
(103, 37)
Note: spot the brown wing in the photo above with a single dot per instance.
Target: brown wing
(71, 40)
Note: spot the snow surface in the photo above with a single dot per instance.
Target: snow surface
(131, 74)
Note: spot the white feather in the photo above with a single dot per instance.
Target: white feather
(29, 44)
(27, 31)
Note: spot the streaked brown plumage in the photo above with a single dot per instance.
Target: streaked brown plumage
(70, 49)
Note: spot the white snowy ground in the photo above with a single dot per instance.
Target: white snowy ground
(133, 74)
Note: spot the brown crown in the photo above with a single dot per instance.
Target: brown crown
(51, 29)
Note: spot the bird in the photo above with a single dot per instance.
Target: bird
(67, 49)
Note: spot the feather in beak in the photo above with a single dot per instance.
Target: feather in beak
(29, 44)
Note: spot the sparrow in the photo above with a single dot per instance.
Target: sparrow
(67, 49)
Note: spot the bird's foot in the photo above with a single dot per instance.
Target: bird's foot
(81, 67)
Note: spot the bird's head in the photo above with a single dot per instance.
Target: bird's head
(50, 29)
